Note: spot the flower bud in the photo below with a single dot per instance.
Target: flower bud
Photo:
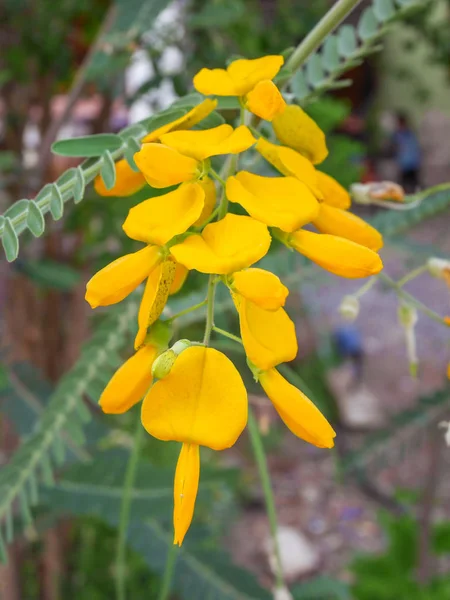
(165, 361)
(439, 267)
(446, 425)
(408, 318)
(349, 308)
(282, 593)
(360, 193)
(159, 335)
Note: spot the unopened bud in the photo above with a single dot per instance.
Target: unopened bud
(349, 308)
(366, 193)
(446, 425)
(407, 315)
(282, 593)
(408, 318)
(360, 193)
(439, 267)
(163, 364)
(159, 335)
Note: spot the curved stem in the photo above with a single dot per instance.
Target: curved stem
(217, 176)
(210, 310)
(168, 573)
(227, 334)
(314, 39)
(412, 275)
(365, 288)
(125, 512)
(264, 475)
(188, 310)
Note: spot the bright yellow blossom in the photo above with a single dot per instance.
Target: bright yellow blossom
(447, 321)
(294, 128)
(265, 100)
(209, 202)
(333, 192)
(336, 254)
(185, 490)
(347, 225)
(261, 287)
(297, 411)
(282, 202)
(163, 166)
(181, 274)
(239, 78)
(224, 247)
(130, 382)
(128, 181)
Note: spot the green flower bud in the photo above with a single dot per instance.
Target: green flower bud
(165, 361)
(349, 308)
(438, 267)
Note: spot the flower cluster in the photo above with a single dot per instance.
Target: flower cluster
(193, 393)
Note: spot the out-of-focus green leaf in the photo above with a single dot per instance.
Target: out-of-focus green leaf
(88, 145)
(50, 274)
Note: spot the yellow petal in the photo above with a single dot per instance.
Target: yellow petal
(128, 182)
(261, 287)
(118, 279)
(336, 254)
(290, 163)
(268, 336)
(129, 383)
(185, 489)
(300, 415)
(209, 189)
(265, 100)
(282, 202)
(225, 246)
(239, 78)
(333, 192)
(201, 401)
(157, 290)
(178, 281)
(345, 224)
(163, 166)
(158, 220)
(210, 142)
(294, 128)
(191, 118)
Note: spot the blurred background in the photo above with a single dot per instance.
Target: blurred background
(370, 520)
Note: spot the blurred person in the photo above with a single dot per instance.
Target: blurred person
(407, 153)
(349, 345)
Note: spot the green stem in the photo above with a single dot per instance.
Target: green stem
(365, 288)
(188, 310)
(402, 294)
(314, 39)
(168, 573)
(264, 475)
(218, 177)
(125, 512)
(412, 275)
(227, 334)
(210, 310)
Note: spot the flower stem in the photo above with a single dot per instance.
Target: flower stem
(188, 310)
(227, 334)
(210, 309)
(314, 39)
(168, 573)
(264, 475)
(125, 512)
(412, 275)
(365, 288)
(218, 177)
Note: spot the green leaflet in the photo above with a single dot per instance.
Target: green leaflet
(88, 145)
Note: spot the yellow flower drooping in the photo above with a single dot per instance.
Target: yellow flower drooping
(209, 201)
(261, 287)
(347, 225)
(130, 382)
(265, 100)
(336, 254)
(185, 489)
(297, 411)
(163, 166)
(128, 181)
(180, 276)
(239, 78)
(294, 128)
(224, 247)
(282, 202)
(333, 192)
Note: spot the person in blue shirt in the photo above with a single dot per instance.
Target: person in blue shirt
(407, 154)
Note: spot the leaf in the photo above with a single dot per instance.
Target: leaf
(347, 42)
(10, 241)
(88, 146)
(35, 219)
(314, 70)
(56, 202)
(330, 53)
(79, 185)
(228, 103)
(188, 101)
(299, 85)
(132, 147)
(51, 274)
(108, 170)
(368, 25)
(157, 121)
(15, 209)
(322, 588)
(214, 119)
(384, 10)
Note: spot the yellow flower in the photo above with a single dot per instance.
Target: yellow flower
(265, 100)
(239, 78)
(130, 382)
(185, 489)
(282, 202)
(210, 142)
(336, 254)
(261, 287)
(448, 371)
(225, 246)
(114, 282)
(447, 321)
(201, 402)
(128, 182)
(294, 128)
(163, 166)
(297, 411)
(268, 335)
(333, 192)
(209, 202)
(181, 274)
(191, 118)
(157, 290)
(290, 163)
(158, 220)
(344, 224)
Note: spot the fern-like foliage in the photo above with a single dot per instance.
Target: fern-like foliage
(346, 48)
(60, 427)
